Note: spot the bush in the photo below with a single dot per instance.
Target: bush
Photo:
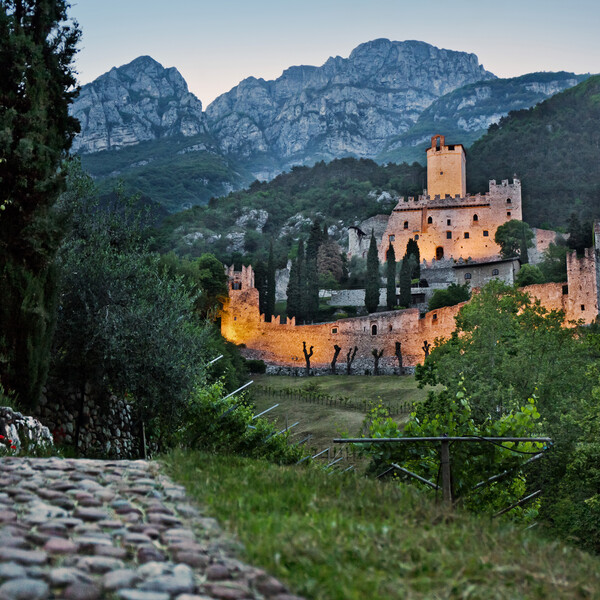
(256, 366)
(454, 294)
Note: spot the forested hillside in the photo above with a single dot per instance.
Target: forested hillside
(341, 193)
(553, 148)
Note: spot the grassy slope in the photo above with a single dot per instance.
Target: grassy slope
(334, 536)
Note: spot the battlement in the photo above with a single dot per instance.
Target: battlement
(239, 280)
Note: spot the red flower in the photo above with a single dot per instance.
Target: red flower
(13, 447)
(1, 437)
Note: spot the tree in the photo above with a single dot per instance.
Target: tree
(377, 354)
(37, 47)
(580, 234)
(455, 293)
(412, 249)
(554, 264)
(529, 275)
(350, 359)
(405, 282)
(514, 237)
(312, 274)
(372, 277)
(391, 278)
(336, 352)
(296, 287)
(307, 356)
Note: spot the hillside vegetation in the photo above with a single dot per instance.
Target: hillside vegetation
(553, 148)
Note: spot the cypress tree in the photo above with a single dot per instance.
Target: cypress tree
(293, 291)
(312, 274)
(372, 278)
(391, 277)
(37, 47)
(412, 249)
(270, 285)
(260, 283)
(404, 281)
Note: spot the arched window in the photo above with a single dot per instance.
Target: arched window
(429, 220)
(475, 218)
(495, 272)
(373, 329)
(508, 201)
(467, 275)
(439, 253)
(405, 224)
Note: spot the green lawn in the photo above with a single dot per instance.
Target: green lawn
(321, 421)
(345, 537)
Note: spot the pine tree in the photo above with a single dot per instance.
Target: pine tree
(270, 285)
(372, 278)
(391, 277)
(37, 47)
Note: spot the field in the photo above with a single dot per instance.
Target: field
(322, 420)
(339, 536)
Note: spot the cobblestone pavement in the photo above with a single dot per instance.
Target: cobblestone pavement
(87, 529)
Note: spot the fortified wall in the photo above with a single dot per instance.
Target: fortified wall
(403, 331)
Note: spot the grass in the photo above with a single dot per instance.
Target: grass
(341, 536)
(323, 422)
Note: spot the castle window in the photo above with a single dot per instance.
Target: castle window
(389, 327)
(495, 272)
(434, 318)
(508, 213)
(439, 253)
(405, 224)
(485, 233)
(565, 289)
(448, 235)
(508, 201)
(475, 218)
(416, 237)
(448, 222)
(235, 318)
(583, 307)
(392, 238)
(466, 235)
(237, 285)
(450, 147)
(441, 172)
(429, 220)
(334, 330)
(373, 329)
(467, 275)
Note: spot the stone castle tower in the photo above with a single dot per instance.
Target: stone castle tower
(446, 169)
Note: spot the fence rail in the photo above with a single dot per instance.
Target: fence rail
(401, 408)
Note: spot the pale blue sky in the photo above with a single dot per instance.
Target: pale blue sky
(217, 44)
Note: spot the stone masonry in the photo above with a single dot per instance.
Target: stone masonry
(89, 529)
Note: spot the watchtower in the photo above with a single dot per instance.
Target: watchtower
(446, 169)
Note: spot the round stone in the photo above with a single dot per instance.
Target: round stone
(60, 546)
(24, 589)
(119, 579)
(11, 570)
(82, 591)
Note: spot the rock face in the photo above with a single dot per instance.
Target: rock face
(18, 431)
(346, 107)
(137, 102)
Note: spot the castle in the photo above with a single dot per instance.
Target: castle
(448, 224)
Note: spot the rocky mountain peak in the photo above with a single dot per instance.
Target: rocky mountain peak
(137, 102)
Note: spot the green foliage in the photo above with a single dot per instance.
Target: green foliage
(551, 148)
(405, 282)
(37, 46)
(514, 237)
(529, 275)
(123, 322)
(455, 293)
(554, 263)
(215, 424)
(296, 286)
(372, 277)
(581, 235)
(270, 285)
(390, 277)
(471, 463)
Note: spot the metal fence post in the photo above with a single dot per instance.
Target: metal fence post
(446, 477)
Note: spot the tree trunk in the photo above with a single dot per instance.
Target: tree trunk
(337, 349)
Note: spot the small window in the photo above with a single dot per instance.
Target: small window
(392, 238)
(450, 147)
(508, 201)
(237, 285)
(495, 272)
(508, 213)
(334, 330)
(373, 329)
(434, 318)
(449, 222)
(475, 218)
(441, 172)
(485, 233)
(439, 253)
(405, 224)
(583, 307)
(429, 220)
(565, 289)
(416, 237)
(448, 235)
(389, 328)
(467, 275)
(466, 235)
(235, 318)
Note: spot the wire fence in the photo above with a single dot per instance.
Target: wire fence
(345, 402)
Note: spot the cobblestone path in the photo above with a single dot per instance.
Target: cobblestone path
(87, 529)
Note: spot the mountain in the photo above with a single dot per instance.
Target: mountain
(135, 103)
(553, 148)
(347, 107)
(465, 114)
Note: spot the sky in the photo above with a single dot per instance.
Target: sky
(215, 44)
